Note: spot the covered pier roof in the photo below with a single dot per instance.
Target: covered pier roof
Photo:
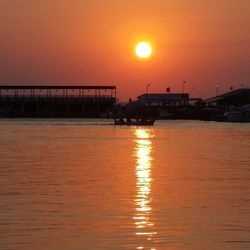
(55, 87)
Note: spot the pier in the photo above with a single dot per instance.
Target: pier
(56, 101)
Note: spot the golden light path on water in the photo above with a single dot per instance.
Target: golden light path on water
(142, 218)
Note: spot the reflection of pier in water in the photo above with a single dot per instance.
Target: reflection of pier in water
(142, 218)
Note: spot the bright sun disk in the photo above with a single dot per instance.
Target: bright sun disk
(143, 50)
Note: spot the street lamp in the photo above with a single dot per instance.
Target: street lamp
(147, 88)
(183, 87)
(147, 92)
(217, 90)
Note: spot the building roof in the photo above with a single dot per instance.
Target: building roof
(163, 97)
(159, 97)
(55, 87)
(230, 94)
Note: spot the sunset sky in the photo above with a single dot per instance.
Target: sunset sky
(91, 42)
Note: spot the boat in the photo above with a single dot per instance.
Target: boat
(238, 114)
(134, 122)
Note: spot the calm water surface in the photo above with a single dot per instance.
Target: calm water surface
(85, 184)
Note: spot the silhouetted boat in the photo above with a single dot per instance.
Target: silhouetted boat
(134, 122)
(238, 114)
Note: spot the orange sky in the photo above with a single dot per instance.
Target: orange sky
(204, 42)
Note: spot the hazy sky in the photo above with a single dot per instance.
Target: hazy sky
(204, 42)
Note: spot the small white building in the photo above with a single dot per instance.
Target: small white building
(169, 99)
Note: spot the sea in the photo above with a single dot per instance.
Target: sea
(73, 184)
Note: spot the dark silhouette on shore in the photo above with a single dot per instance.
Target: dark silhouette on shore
(101, 102)
(56, 101)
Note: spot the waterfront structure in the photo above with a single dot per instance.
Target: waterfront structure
(56, 101)
(237, 97)
(169, 99)
(165, 106)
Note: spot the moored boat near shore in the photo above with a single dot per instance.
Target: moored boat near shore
(238, 114)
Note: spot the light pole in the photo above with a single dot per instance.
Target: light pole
(183, 87)
(147, 92)
(147, 88)
(217, 90)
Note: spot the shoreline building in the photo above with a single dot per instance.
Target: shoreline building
(164, 105)
(159, 99)
(161, 106)
(237, 97)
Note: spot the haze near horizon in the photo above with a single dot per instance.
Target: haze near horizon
(205, 43)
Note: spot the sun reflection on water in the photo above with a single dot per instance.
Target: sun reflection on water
(142, 218)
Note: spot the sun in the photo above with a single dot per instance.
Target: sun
(143, 50)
